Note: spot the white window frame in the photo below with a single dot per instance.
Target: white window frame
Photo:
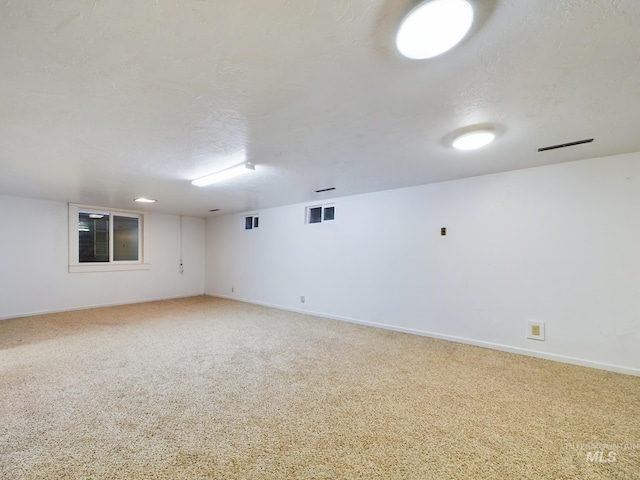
(253, 216)
(323, 206)
(75, 266)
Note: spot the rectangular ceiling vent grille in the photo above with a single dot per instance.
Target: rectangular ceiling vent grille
(563, 145)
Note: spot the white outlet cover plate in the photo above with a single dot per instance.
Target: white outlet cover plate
(530, 327)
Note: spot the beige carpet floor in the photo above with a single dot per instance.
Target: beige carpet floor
(202, 388)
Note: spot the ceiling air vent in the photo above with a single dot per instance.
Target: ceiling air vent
(562, 145)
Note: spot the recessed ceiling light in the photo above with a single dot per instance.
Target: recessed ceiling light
(223, 174)
(433, 27)
(144, 200)
(473, 140)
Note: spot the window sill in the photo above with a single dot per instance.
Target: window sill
(121, 267)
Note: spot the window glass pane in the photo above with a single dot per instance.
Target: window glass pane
(248, 223)
(125, 238)
(93, 237)
(315, 215)
(329, 213)
(255, 222)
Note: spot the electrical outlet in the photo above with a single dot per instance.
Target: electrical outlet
(535, 330)
(302, 299)
(233, 289)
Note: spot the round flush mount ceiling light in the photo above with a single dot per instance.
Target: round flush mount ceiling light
(433, 27)
(473, 140)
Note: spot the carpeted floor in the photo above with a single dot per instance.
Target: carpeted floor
(209, 388)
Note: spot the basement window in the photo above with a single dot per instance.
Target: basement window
(320, 213)
(251, 222)
(101, 239)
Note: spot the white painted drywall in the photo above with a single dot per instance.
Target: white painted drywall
(559, 244)
(34, 275)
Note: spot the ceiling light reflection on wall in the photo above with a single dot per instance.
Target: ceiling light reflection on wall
(433, 27)
(473, 140)
(224, 174)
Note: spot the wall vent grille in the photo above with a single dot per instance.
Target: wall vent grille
(563, 145)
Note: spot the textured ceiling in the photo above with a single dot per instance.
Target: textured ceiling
(105, 101)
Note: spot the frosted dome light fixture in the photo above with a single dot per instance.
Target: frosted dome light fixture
(433, 27)
(473, 140)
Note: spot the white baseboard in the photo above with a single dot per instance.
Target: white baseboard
(469, 341)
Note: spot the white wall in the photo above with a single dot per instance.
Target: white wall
(34, 274)
(559, 244)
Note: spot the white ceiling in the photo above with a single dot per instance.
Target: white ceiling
(105, 101)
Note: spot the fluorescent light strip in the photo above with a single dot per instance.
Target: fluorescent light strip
(223, 174)
(144, 200)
